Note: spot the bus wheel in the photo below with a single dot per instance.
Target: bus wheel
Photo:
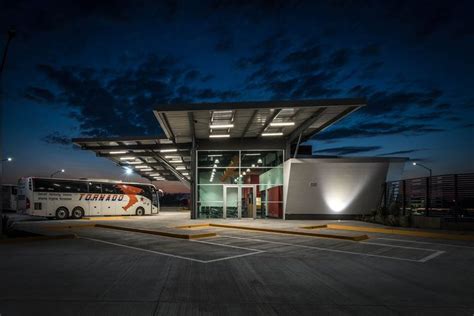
(62, 213)
(77, 212)
(140, 211)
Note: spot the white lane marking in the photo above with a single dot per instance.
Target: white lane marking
(427, 243)
(224, 245)
(433, 255)
(326, 249)
(144, 250)
(255, 251)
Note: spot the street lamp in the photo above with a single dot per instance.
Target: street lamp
(56, 172)
(428, 187)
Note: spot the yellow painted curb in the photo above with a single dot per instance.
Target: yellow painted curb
(402, 232)
(60, 227)
(193, 226)
(36, 238)
(314, 226)
(157, 232)
(280, 231)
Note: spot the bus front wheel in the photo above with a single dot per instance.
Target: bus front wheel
(62, 213)
(140, 211)
(77, 212)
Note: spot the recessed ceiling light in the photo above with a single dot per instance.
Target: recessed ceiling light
(127, 158)
(282, 123)
(272, 134)
(176, 161)
(180, 168)
(117, 152)
(221, 126)
(168, 150)
(142, 167)
(219, 135)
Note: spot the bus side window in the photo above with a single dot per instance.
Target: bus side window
(42, 185)
(95, 187)
(110, 188)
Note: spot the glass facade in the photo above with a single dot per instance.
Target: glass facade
(239, 183)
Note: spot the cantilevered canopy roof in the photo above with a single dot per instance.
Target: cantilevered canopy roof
(288, 119)
(168, 157)
(153, 158)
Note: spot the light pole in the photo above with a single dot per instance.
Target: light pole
(56, 172)
(11, 33)
(428, 187)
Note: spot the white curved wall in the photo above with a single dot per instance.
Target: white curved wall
(333, 186)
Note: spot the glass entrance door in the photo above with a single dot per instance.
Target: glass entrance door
(247, 199)
(231, 202)
(239, 201)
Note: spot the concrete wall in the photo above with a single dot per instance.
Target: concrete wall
(333, 186)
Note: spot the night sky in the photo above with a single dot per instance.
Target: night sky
(97, 69)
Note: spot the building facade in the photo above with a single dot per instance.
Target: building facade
(239, 160)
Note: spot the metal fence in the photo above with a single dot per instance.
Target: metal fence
(450, 194)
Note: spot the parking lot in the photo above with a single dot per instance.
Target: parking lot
(108, 271)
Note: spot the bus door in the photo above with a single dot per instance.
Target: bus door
(95, 203)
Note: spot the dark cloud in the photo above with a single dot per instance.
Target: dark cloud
(57, 139)
(39, 95)
(370, 50)
(348, 150)
(385, 102)
(401, 152)
(373, 129)
(339, 58)
(224, 42)
(120, 103)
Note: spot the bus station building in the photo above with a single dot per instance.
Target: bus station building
(247, 159)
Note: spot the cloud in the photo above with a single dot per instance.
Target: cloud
(348, 150)
(57, 139)
(120, 103)
(39, 95)
(401, 152)
(385, 102)
(370, 50)
(373, 129)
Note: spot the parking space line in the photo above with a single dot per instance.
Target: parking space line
(236, 256)
(396, 246)
(254, 251)
(224, 245)
(433, 255)
(425, 242)
(336, 250)
(144, 250)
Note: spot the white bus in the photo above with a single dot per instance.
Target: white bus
(75, 198)
(9, 197)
